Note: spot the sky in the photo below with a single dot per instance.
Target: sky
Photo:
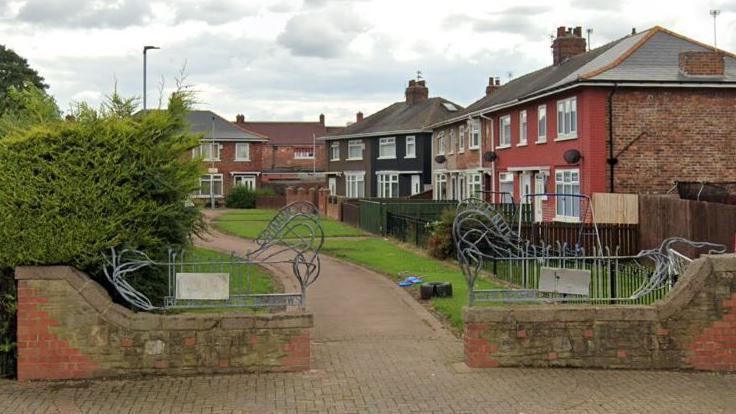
(294, 59)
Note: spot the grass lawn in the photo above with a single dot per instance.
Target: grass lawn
(249, 223)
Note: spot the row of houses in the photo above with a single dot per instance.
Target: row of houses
(633, 116)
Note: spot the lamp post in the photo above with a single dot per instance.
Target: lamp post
(715, 14)
(145, 49)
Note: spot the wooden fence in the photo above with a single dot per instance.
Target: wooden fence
(624, 237)
(668, 216)
(616, 208)
(276, 201)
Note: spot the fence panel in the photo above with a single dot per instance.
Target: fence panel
(371, 216)
(271, 202)
(407, 229)
(616, 208)
(351, 213)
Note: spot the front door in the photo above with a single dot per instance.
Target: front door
(247, 181)
(332, 185)
(539, 188)
(525, 188)
(416, 184)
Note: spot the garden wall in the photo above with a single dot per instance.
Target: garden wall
(68, 328)
(694, 327)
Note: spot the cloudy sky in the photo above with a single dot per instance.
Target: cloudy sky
(294, 59)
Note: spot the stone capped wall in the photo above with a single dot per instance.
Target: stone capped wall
(68, 328)
(694, 327)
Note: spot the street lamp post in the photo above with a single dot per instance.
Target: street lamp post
(145, 49)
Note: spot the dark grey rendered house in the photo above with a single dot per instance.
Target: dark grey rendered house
(387, 154)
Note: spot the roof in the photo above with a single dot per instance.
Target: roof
(400, 117)
(648, 56)
(288, 133)
(213, 126)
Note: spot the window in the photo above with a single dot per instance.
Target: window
(542, 124)
(388, 185)
(567, 182)
(567, 119)
(505, 132)
(452, 141)
(506, 187)
(475, 185)
(355, 150)
(462, 188)
(474, 134)
(441, 143)
(210, 184)
(209, 151)
(416, 184)
(304, 153)
(355, 185)
(387, 148)
(242, 151)
(522, 128)
(247, 181)
(411, 147)
(440, 191)
(335, 151)
(461, 139)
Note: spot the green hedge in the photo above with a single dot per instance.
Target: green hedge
(242, 197)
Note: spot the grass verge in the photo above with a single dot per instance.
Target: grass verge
(250, 223)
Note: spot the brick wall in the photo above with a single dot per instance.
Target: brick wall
(707, 63)
(282, 156)
(68, 328)
(694, 327)
(685, 135)
(294, 194)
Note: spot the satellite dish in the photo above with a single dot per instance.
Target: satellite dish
(440, 159)
(572, 156)
(490, 156)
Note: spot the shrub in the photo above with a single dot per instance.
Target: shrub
(440, 243)
(242, 197)
(73, 189)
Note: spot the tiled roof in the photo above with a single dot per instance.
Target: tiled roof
(288, 133)
(400, 116)
(214, 126)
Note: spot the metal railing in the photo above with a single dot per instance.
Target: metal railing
(408, 229)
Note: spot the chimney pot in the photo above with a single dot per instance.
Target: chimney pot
(239, 119)
(578, 31)
(568, 43)
(322, 119)
(561, 30)
(416, 92)
(633, 30)
(359, 117)
(498, 81)
(493, 84)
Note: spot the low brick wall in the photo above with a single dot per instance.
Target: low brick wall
(694, 327)
(68, 328)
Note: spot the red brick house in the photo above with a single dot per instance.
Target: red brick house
(232, 155)
(293, 155)
(632, 116)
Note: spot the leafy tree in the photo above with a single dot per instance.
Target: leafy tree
(27, 107)
(15, 73)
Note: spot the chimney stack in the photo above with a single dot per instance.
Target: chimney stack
(568, 43)
(322, 119)
(240, 119)
(416, 92)
(493, 84)
(359, 117)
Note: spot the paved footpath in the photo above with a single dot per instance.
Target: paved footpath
(376, 350)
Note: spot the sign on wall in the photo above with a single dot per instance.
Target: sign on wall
(203, 286)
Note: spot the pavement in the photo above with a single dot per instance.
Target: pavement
(376, 350)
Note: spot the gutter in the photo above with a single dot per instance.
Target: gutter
(373, 134)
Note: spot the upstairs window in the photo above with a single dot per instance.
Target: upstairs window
(461, 139)
(387, 148)
(452, 141)
(522, 128)
(441, 143)
(304, 153)
(355, 150)
(209, 151)
(542, 124)
(335, 151)
(411, 147)
(474, 134)
(242, 151)
(567, 118)
(504, 139)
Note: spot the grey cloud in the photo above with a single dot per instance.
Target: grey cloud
(514, 23)
(324, 34)
(83, 13)
(214, 11)
(602, 5)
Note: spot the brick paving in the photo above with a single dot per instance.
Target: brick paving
(376, 350)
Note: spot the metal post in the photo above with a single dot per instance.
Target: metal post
(145, 50)
(715, 14)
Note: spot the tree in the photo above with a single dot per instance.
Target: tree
(15, 73)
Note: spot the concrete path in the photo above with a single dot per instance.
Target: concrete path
(376, 350)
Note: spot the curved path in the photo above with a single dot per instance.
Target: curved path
(375, 349)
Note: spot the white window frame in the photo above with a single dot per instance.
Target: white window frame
(335, 151)
(239, 179)
(387, 144)
(441, 143)
(475, 185)
(523, 129)
(299, 153)
(208, 178)
(474, 134)
(355, 185)
(563, 185)
(542, 121)
(238, 146)
(461, 139)
(453, 142)
(386, 183)
(440, 182)
(352, 144)
(215, 149)
(416, 184)
(504, 135)
(411, 142)
(505, 178)
(567, 119)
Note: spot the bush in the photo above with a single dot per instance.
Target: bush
(440, 243)
(73, 189)
(242, 197)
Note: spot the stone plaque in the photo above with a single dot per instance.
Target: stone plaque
(569, 281)
(203, 286)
